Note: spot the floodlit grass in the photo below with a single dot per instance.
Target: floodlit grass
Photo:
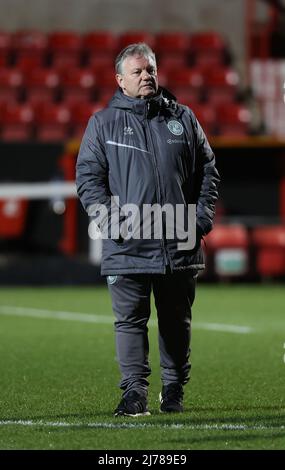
(59, 378)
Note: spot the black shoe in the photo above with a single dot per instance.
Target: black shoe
(133, 404)
(171, 398)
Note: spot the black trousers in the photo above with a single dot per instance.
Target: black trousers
(174, 295)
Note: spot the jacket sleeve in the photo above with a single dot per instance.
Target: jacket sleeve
(92, 173)
(207, 179)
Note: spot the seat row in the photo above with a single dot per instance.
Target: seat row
(189, 84)
(235, 251)
(66, 48)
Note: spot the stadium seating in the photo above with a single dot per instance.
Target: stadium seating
(186, 84)
(29, 49)
(132, 37)
(207, 49)
(227, 247)
(221, 85)
(105, 84)
(53, 121)
(11, 80)
(172, 50)
(5, 48)
(99, 49)
(41, 85)
(233, 120)
(80, 114)
(65, 49)
(78, 85)
(12, 217)
(68, 67)
(17, 122)
(269, 242)
(206, 115)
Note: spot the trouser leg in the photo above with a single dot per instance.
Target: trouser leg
(174, 295)
(131, 305)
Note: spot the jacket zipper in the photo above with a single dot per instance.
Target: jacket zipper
(158, 189)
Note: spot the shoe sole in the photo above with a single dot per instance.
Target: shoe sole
(146, 413)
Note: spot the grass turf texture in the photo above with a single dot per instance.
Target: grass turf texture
(59, 379)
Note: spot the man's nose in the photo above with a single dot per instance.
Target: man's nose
(146, 75)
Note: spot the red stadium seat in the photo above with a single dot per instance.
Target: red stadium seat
(206, 116)
(5, 48)
(163, 77)
(65, 49)
(133, 37)
(172, 61)
(269, 242)
(207, 49)
(233, 120)
(41, 85)
(106, 84)
(53, 121)
(172, 50)
(78, 85)
(100, 41)
(81, 113)
(100, 48)
(221, 85)
(186, 84)
(11, 80)
(228, 247)
(30, 48)
(12, 217)
(172, 42)
(17, 122)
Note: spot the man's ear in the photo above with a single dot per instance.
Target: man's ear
(119, 79)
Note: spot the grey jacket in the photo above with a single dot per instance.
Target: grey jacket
(147, 152)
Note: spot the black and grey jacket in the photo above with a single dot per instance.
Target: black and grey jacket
(147, 151)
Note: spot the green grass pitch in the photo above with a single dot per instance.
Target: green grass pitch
(59, 376)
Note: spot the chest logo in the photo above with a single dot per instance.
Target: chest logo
(128, 131)
(175, 127)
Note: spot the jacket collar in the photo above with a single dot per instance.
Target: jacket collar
(149, 107)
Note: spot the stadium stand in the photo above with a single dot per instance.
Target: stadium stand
(227, 246)
(17, 122)
(53, 122)
(99, 49)
(67, 67)
(11, 81)
(29, 49)
(65, 49)
(269, 242)
(12, 217)
(132, 37)
(41, 85)
(208, 49)
(5, 48)
(78, 85)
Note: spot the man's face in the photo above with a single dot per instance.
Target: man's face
(139, 77)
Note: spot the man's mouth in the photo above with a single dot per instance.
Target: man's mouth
(149, 85)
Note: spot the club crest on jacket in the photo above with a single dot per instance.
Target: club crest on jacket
(175, 127)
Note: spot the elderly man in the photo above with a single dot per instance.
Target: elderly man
(146, 150)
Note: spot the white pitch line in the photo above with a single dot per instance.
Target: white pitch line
(107, 319)
(100, 425)
(224, 327)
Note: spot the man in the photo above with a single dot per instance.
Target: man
(146, 149)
